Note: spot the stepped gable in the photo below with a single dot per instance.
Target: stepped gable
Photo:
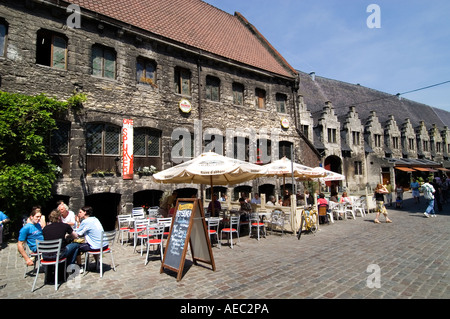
(342, 95)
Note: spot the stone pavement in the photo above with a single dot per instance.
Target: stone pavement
(409, 258)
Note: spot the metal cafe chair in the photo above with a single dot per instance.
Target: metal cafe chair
(107, 239)
(31, 255)
(277, 220)
(155, 238)
(234, 221)
(123, 226)
(255, 222)
(49, 251)
(213, 228)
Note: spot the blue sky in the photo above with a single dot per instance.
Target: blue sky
(410, 51)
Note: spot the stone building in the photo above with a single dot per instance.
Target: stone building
(371, 136)
(194, 78)
(188, 76)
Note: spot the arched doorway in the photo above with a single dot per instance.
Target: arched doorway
(105, 207)
(217, 189)
(187, 192)
(267, 189)
(148, 198)
(241, 189)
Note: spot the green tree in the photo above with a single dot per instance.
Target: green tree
(27, 172)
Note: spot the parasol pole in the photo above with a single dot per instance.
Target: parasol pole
(212, 197)
(292, 169)
(293, 205)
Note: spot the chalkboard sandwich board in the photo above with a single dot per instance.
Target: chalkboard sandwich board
(188, 228)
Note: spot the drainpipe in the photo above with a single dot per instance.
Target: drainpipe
(199, 83)
(199, 72)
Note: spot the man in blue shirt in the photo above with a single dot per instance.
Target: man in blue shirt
(3, 220)
(91, 229)
(29, 233)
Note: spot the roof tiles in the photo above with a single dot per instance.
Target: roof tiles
(196, 24)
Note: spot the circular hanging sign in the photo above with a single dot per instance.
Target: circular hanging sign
(285, 123)
(185, 106)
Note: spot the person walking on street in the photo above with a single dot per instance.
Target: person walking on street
(389, 188)
(380, 191)
(415, 190)
(437, 193)
(428, 193)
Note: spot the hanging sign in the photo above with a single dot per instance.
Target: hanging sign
(185, 106)
(127, 153)
(188, 229)
(285, 123)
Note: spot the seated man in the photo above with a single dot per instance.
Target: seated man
(91, 229)
(67, 216)
(29, 233)
(271, 201)
(217, 207)
(256, 199)
(245, 209)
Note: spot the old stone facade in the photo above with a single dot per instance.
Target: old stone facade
(130, 73)
(105, 59)
(371, 136)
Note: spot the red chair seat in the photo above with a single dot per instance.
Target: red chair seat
(228, 229)
(257, 224)
(132, 230)
(52, 261)
(105, 250)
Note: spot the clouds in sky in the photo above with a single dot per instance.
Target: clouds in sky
(411, 50)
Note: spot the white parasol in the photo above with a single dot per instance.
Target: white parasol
(286, 168)
(328, 176)
(211, 168)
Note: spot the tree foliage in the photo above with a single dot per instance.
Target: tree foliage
(27, 172)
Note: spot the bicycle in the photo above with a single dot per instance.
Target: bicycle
(309, 222)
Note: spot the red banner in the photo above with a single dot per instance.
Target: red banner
(127, 153)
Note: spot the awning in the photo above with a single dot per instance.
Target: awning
(404, 169)
(425, 169)
(443, 169)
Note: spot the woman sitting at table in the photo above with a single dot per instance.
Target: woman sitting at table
(345, 199)
(322, 202)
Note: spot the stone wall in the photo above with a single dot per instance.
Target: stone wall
(153, 106)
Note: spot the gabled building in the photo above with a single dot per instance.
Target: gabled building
(183, 72)
(382, 137)
(191, 78)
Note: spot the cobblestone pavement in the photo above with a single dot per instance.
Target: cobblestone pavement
(412, 253)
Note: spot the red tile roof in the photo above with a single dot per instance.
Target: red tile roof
(197, 24)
